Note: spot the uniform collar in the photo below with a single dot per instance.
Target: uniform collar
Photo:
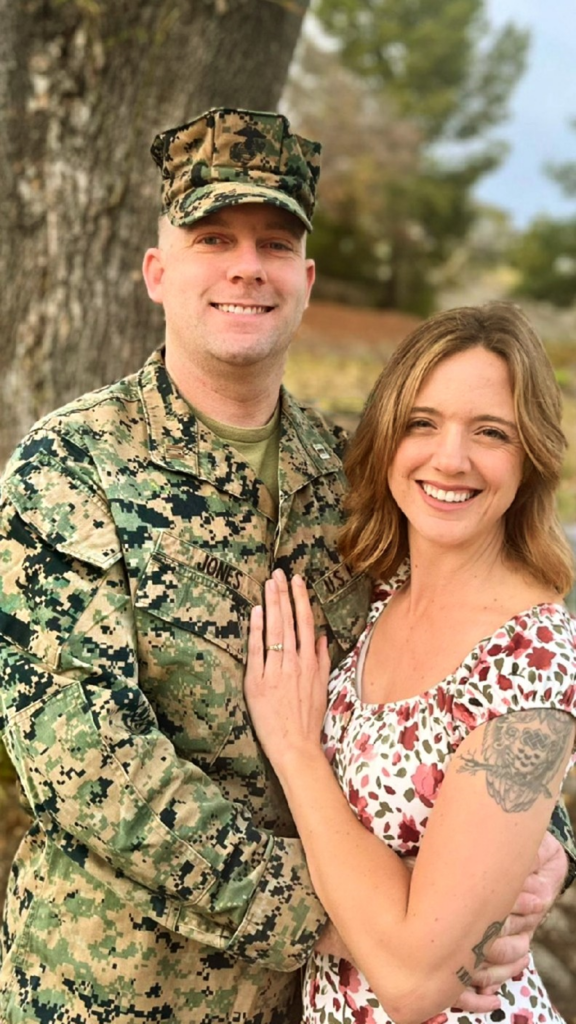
(180, 442)
(304, 450)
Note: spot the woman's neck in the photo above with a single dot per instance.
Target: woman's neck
(445, 578)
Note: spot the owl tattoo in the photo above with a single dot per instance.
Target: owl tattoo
(521, 754)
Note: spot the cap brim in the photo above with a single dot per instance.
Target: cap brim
(211, 198)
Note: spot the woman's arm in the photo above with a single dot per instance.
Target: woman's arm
(509, 953)
(416, 939)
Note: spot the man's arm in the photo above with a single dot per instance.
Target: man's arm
(98, 772)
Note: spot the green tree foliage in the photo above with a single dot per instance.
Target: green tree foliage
(545, 255)
(564, 174)
(442, 74)
(437, 59)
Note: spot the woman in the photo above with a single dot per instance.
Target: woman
(450, 726)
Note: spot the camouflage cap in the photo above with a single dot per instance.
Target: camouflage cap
(225, 157)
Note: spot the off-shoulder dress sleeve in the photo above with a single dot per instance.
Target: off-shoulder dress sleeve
(528, 663)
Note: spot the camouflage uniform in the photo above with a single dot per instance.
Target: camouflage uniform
(161, 880)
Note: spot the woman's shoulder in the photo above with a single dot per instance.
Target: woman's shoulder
(531, 658)
(524, 605)
(546, 620)
(529, 662)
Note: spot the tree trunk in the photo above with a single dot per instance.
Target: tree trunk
(84, 87)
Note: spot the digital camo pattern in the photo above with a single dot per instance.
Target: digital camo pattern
(161, 880)
(390, 761)
(561, 828)
(226, 157)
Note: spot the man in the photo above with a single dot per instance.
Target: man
(162, 879)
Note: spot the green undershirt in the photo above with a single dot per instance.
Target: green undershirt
(258, 446)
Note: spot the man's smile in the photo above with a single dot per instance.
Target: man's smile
(229, 307)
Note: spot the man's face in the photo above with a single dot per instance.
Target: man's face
(233, 286)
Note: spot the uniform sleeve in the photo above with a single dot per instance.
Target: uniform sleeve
(529, 663)
(102, 779)
(561, 828)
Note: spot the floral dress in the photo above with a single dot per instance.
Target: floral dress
(390, 760)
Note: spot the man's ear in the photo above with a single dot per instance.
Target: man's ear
(153, 273)
(310, 277)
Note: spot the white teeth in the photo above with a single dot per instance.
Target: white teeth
(229, 308)
(450, 496)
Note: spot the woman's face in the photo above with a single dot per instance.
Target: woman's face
(459, 464)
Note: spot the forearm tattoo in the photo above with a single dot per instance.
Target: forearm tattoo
(521, 753)
(492, 932)
(464, 976)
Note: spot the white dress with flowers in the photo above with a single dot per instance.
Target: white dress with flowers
(390, 760)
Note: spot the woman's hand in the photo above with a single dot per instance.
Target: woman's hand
(286, 674)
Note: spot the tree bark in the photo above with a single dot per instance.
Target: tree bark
(84, 87)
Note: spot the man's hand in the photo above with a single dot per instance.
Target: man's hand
(331, 944)
(508, 955)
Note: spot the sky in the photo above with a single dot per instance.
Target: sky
(541, 108)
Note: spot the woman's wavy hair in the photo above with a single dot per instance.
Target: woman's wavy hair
(374, 538)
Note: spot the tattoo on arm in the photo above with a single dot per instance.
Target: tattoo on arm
(492, 931)
(464, 976)
(521, 753)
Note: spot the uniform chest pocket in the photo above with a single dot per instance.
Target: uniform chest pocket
(198, 591)
(345, 600)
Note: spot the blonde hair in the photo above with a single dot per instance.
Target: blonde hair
(374, 538)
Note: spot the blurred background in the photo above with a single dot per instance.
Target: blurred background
(449, 177)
